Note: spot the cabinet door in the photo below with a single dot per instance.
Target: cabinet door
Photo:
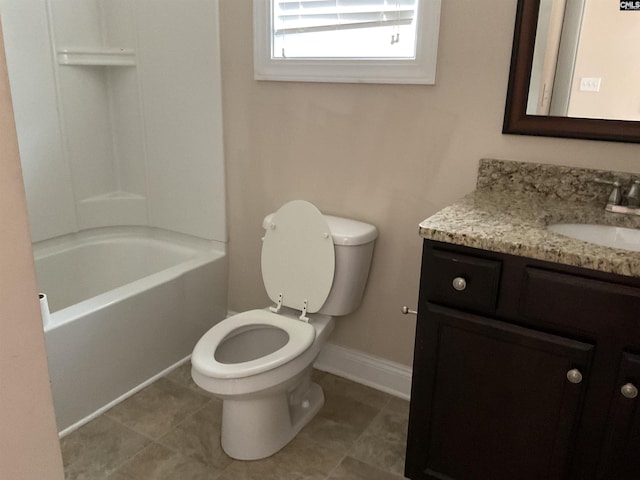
(491, 400)
(621, 451)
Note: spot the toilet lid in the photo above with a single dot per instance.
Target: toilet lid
(298, 257)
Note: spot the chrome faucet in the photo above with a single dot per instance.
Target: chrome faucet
(618, 202)
(615, 197)
(633, 196)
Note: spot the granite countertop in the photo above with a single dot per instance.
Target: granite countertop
(509, 212)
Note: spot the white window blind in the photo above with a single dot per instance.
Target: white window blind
(371, 41)
(321, 15)
(344, 28)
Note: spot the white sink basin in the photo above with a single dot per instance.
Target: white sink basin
(605, 235)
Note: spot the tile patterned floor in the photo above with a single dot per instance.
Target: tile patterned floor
(170, 430)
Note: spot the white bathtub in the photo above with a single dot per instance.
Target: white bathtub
(127, 304)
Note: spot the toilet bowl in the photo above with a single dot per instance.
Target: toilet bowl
(263, 410)
(260, 362)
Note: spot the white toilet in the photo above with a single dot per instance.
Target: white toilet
(259, 362)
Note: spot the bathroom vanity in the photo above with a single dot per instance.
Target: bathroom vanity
(527, 353)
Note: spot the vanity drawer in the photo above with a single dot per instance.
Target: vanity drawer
(462, 281)
(577, 303)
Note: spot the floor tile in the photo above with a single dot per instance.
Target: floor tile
(317, 375)
(355, 391)
(199, 437)
(185, 423)
(158, 408)
(399, 406)
(182, 375)
(117, 476)
(159, 463)
(383, 443)
(352, 469)
(340, 421)
(299, 460)
(95, 450)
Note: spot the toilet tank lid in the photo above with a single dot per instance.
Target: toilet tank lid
(343, 230)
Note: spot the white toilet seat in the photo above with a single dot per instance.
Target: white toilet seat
(301, 336)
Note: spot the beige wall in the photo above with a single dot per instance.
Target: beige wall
(387, 154)
(29, 448)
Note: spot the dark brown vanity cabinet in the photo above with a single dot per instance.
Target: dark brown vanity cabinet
(523, 370)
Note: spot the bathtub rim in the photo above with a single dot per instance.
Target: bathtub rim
(63, 243)
(205, 251)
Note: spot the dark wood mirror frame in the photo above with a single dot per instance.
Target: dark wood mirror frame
(517, 121)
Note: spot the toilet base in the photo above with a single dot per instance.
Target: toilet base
(255, 428)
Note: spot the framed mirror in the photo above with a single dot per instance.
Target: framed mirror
(549, 85)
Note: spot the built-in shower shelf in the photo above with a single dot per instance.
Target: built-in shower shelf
(114, 196)
(99, 57)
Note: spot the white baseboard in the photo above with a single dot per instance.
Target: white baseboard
(390, 377)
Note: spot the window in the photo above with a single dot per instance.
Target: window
(370, 41)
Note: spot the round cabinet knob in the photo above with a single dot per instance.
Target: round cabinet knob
(459, 283)
(629, 390)
(574, 375)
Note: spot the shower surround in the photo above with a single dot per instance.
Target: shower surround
(119, 118)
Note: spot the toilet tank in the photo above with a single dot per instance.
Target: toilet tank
(353, 242)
